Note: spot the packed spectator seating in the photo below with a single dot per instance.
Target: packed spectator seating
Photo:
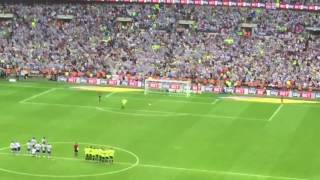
(244, 46)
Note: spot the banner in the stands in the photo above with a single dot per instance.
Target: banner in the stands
(195, 88)
(261, 92)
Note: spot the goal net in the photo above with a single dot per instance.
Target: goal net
(170, 87)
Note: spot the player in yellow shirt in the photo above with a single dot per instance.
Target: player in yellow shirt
(107, 155)
(93, 153)
(97, 154)
(104, 155)
(87, 152)
(123, 103)
(100, 154)
(111, 155)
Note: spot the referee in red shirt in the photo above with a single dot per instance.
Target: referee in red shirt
(76, 149)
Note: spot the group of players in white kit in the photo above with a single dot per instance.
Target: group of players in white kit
(34, 148)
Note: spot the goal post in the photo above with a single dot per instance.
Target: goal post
(171, 87)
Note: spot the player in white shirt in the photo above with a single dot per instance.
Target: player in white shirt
(38, 148)
(49, 149)
(13, 147)
(33, 141)
(18, 147)
(43, 149)
(29, 147)
(33, 151)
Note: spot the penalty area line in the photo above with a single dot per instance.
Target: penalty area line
(147, 112)
(215, 101)
(37, 95)
(110, 94)
(275, 112)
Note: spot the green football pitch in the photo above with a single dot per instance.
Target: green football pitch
(156, 136)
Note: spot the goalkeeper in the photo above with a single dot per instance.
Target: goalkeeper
(123, 103)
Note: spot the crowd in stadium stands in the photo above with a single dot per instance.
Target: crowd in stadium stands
(280, 51)
(305, 2)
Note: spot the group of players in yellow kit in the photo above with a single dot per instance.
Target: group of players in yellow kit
(99, 154)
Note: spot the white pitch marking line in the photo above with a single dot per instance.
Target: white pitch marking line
(131, 165)
(110, 94)
(166, 100)
(4, 148)
(62, 105)
(221, 172)
(182, 169)
(275, 112)
(227, 117)
(61, 158)
(27, 86)
(109, 109)
(37, 95)
(215, 101)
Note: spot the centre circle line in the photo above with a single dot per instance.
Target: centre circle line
(80, 175)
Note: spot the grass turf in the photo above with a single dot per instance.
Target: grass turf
(175, 138)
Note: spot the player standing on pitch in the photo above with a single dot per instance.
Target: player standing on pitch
(99, 97)
(49, 150)
(76, 149)
(29, 147)
(123, 103)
